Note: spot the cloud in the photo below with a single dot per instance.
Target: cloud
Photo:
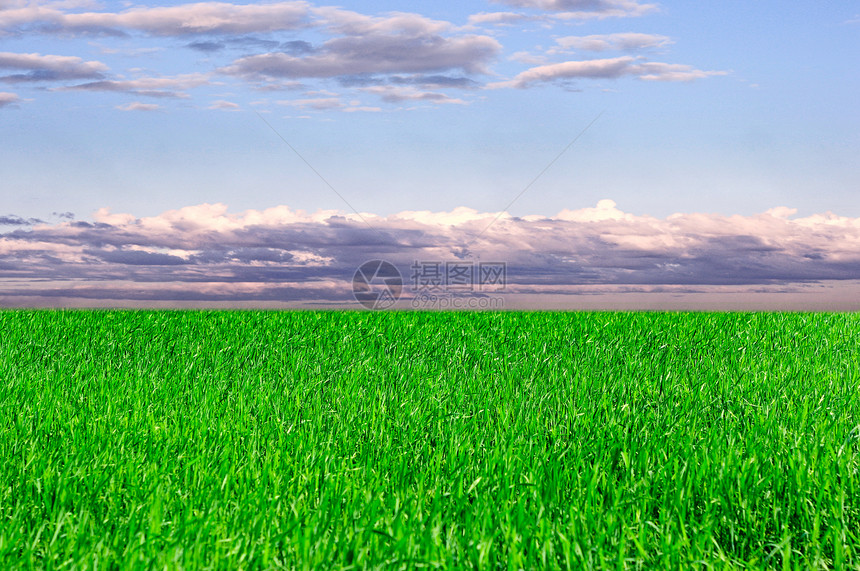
(590, 69)
(8, 99)
(395, 43)
(585, 9)
(611, 42)
(498, 18)
(147, 86)
(435, 81)
(138, 106)
(296, 47)
(349, 23)
(358, 108)
(371, 55)
(127, 51)
(365, 45)
(180, 20)
(205, 252)
(316, 103)
(18, 221)
(406, 58)
(393, 94)
(609, 68)
(206, 46)
(37, 67)
(528, 58)
(327, 101)
(136, 258)
(656, 71)
(224, 105)
(247, 42)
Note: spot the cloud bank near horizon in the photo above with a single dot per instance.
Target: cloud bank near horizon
(204, 253)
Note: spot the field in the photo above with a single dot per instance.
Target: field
(256, 440)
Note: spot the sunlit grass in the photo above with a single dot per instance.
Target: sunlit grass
(397, 440)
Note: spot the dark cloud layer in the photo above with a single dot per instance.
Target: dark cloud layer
(18, 221)
(206, 253)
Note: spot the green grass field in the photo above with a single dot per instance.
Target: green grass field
(256, 440)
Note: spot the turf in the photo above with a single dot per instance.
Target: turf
(256, 440)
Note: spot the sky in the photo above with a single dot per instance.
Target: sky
(611, 154)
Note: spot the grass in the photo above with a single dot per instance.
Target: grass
(256, 440)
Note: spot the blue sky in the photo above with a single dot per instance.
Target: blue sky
(721, 109)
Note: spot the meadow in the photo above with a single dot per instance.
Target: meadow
(498, 440)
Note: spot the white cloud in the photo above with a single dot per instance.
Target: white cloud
(605, 210)
(781, 212)
(367, 45)
(609, 68)
(179, 20)
(598, 68)
(362, 109)
(148, 86)
(392, 94)
(316, 103)
(628, 41)
(586, 9)
(38, 67)
(349, 23)
(138, 106)
(528, 58)
(224, 105)
(362, 44)
(655, 71)
(400, 57)
(372, 54)
(8, 99)
(498, 18)
(321, 102)
(127, 51)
